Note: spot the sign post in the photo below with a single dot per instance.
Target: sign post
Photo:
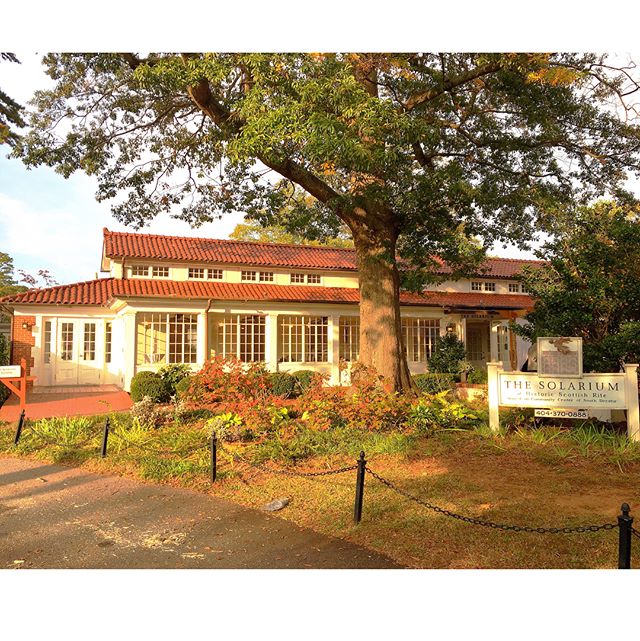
(15, 378)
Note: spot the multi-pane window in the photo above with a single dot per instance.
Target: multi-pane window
(166, 338)
(489, 287)
(159, 271)
(89, 352)
(107, 342)
(476, 286)
(303, 339)
(248, 275)
(242, 336)
(197, 272)
(183, 338)
(514, 288)
(524, 289)
(266, 277)
(310, 279)
(46, 347)
(66, 342)
(141, 271)
(215, 274)
(349, 338)
(202, 273)
(420, 336)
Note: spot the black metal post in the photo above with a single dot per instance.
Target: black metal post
(214, 457)
(357, 508)
(105, 438)
(624, 543)
(19, 428)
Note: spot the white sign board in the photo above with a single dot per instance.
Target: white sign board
(10, 371)
(561, 414)
(560, 356)
(528, 389)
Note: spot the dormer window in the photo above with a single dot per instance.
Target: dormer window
(140, 271)
(197, 273)
(266, 277)
(309, 279)
(215, 274)
(514, 288)
(160, 272)
(489, 287)
(476, 286)
(248, 275)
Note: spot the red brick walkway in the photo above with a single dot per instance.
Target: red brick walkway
(74, 401)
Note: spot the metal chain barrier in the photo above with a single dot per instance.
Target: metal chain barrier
(635, 532)
(490, 524)
(157, 450)
(49, 441)
(285, 472)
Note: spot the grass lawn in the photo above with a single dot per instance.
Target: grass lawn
(542, 478)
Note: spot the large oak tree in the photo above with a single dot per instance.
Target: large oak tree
(415, 153)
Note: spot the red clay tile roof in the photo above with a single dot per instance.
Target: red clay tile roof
(180, 248)
(100, 292)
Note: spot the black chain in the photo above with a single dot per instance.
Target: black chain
(635, 532)
(50, 441)
(490, 524)
(285, 472)
(157, 450)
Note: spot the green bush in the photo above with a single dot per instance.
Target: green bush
(173, 374)
(283, 384)
(303, 379)
(152, 385)
(434, 382)
(477, 377)
(181, 388)
(448, 356)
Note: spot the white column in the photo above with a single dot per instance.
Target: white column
(633, 414)
(493, 371)
(201, 351)
(271, 342)
(129, 348)
(493, 340)
(333, 348)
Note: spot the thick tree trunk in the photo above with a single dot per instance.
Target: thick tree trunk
(380, 326)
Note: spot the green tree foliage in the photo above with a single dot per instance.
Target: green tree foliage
(10, 110)
(415, 154)
(8, 283)
(591, 285)
(448, 356)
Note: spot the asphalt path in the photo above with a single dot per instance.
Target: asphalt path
(58, 517)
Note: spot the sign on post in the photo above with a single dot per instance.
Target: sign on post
(560, 389)
(15, 378)
(9, 371)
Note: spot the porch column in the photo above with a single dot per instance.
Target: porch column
(201, 348)
(271, 342)
(333, 348)
(129, 348)
(493, 340)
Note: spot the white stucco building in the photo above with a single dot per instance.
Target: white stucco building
(169, 299)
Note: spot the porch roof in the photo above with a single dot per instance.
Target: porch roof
(103, 291)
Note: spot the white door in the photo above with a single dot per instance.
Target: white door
(478, 344)
(77, 361)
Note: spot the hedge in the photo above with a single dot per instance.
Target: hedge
(152, 385)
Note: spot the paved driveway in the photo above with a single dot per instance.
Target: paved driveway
(57, 517)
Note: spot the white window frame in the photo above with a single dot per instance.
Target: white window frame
(266, 277)
(191, 273)
(161, 322)
(349, 342)
(245, 273)
(419, 337)
(160, 267)
(476, 286)
(145, 268)
(489, 286)
(514, 288)
(242, 336)
(311, 336)
(215, 273)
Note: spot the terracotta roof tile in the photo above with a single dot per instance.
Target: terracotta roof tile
(100, 292)
(212, 250)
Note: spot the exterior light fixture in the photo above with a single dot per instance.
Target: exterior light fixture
(26, 325)
(451, 327)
